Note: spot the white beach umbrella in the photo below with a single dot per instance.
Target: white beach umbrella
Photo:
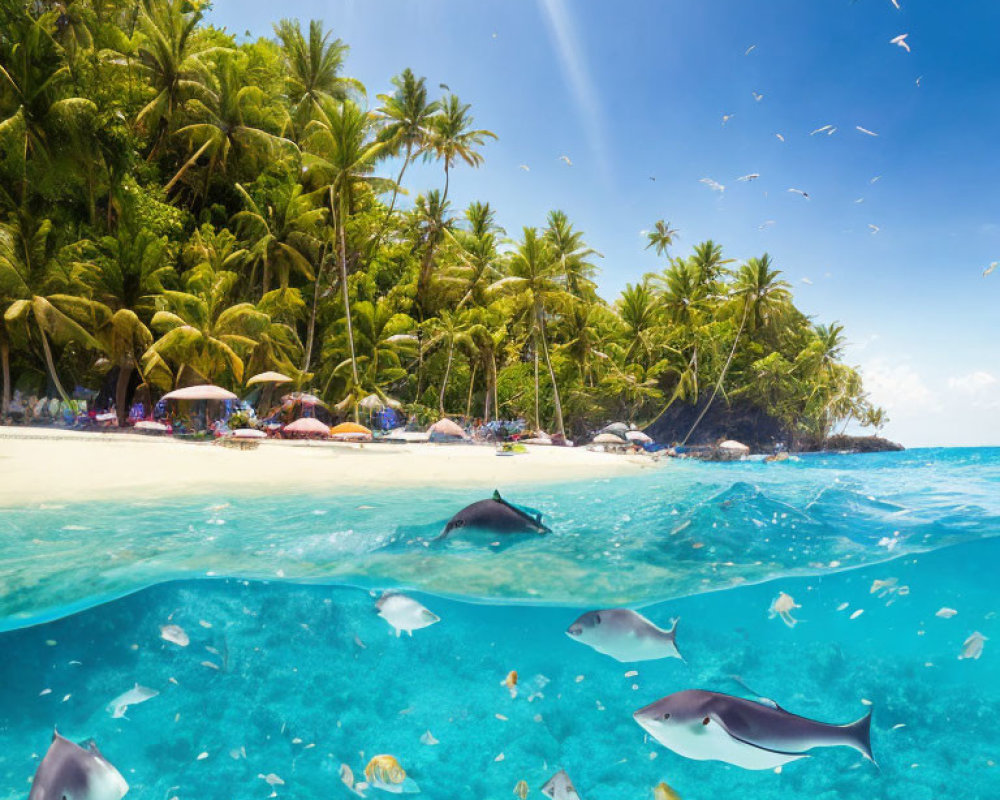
(202, 392)
(638, 436)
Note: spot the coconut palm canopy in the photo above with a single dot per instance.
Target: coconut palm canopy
(203, 392)
(198, 208)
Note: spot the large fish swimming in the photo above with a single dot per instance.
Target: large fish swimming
(624, 635)
(560, 787)
(404, 613)
(708, 726)
(71, 772)
(493, 516)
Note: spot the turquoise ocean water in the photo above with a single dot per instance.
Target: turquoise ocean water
(290, 672)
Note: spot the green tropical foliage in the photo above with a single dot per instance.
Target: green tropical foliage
(179, 207)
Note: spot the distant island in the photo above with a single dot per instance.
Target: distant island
(178, 207)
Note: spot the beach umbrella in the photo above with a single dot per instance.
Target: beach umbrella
(608, 438)
(446, 427)
(350, 427)
(637, 436)
(249, 433)
(308, 426)
(202, 392)
(268, 377)
(151, 426)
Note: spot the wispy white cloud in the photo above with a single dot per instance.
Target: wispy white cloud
(980, 388)
(898, 387)
(574, 66)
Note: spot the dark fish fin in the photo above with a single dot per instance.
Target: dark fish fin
(767, 701)
(860, 733)
(535, 519)
(496, 495)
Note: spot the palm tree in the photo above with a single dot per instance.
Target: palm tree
(340, 154)
(571, 251)
(452, 137)
(33, 288)
(201, 331)
(431, 213)
(661, 237)
(456, 329)
(536, 281)
(313, 66)
(120, 276)
(232, 122)
(282, 235)
(171, 56)
(408, 117)
(639, 309)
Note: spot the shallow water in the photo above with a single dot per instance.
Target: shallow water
(305, 660)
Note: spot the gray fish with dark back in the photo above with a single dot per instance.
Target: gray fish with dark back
(71, 772)
(709, 726)
(495, 515)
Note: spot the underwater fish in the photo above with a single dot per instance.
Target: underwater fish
(72, 772)
(521, 789)
(945, 612)
(625, 635)
(510, 683)
(494, 516)
(385, 772)
(560, 787)
(664, 792)
(137, 694)
(972, 647)
(708, 726)
(428, 738)
(782, 606)
(404, 613)
(175, 634)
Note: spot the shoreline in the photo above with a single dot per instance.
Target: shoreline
(41, 465)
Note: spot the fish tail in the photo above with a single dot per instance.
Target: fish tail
(860, 736)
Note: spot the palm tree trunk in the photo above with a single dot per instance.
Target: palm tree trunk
(538, 425)
(121, 392)
(722, 375)
(311, 330)
(342, 242)
(5, 371)
(447, 178)
(472, 385)
(392, 203)
(187, 165)
(447, 374)
(496, 392)
(552, 377)
(50, 364)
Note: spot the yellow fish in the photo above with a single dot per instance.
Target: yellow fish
(521, 790)
(385, 769)
(664, 792)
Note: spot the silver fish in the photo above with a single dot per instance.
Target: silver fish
(625, 635)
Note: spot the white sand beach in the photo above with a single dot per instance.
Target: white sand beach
(40, 465)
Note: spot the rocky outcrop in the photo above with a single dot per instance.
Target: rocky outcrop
(855, 444)
(740, 421)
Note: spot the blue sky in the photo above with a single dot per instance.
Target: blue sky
(633, 90)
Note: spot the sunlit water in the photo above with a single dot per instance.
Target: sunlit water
(276, 592)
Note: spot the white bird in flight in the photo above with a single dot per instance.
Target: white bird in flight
(525, 167)
(780, 137)
(876, 179)
(807, 281)
(767, 224)
(895, 3)
(757, 96)
(727, 117)
(859, 201)
(799, 191)
(901, 41)
(715, 186)
(873, 228)
(919, 78)
(990, 268)
(751, 177)
(824, 129)
(566, 159)
(750, 49)
(866, 131)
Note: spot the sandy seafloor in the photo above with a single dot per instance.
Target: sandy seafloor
(305, 677)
